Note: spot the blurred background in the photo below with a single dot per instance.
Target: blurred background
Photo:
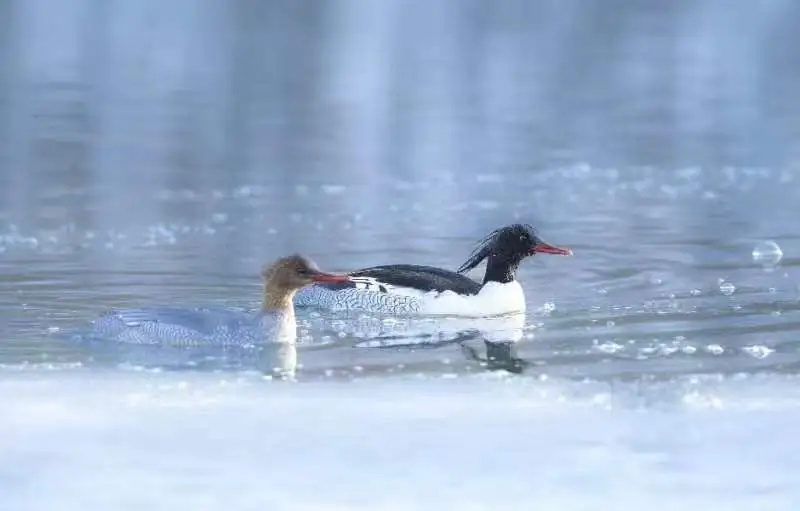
(119, 114)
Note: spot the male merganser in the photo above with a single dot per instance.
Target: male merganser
(414, 289)
(185, 328)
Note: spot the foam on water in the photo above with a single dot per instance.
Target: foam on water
(120, 440)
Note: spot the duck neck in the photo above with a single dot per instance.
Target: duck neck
(278, 298)
(500, 269)
(278, 314)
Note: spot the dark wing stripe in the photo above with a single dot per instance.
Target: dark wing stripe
(424, 278)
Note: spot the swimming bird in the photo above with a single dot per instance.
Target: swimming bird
(204, 327)
(415, 289)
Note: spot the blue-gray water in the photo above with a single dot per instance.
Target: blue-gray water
(159, 153)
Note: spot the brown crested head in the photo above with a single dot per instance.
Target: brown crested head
(287, 275)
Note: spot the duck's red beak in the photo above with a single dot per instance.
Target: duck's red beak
(321, 276)
(544, 248)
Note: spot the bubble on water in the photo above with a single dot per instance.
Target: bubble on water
(667, 349)
(609, 347)
(695, 292)
(758, 351)
(727, 288)
(767, 253)
(715, 349)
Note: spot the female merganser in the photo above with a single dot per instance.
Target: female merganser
(413, 289)
(186, 328)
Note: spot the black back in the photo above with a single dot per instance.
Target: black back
(503, 250)
(424, 278)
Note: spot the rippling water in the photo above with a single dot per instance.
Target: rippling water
(160, 154)
(663, 280)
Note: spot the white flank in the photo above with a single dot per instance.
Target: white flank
(493, 299)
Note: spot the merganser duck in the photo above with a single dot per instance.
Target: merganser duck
(414, 289)
(185, 328)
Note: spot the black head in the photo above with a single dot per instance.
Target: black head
(505, 248)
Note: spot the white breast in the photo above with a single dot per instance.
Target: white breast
(493, 299)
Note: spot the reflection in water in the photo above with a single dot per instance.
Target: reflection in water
(276, 359)
(399, 331)
(499, 356)
(499, 334)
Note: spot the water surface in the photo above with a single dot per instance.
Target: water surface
(161, 153)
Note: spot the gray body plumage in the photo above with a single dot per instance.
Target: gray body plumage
(200, 327)
(358, 298)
